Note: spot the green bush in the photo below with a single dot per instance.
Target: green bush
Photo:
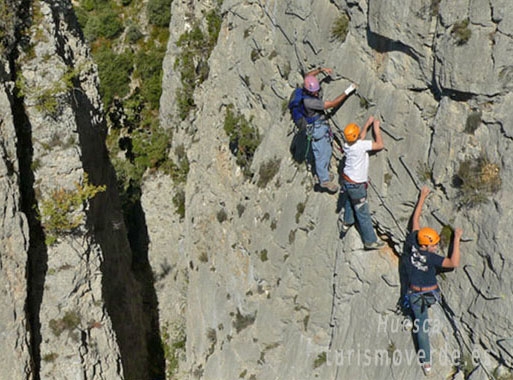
(191, 43)
(135, 111)
(150, 147)
(7, 22)
(106, 24)
(82, 17)
(192, 62)
(96, 5)
(364, 103)
(47, 99)
(184, 102)
(340, 28)
(149, 68)
(267, 171)
(88, 5)
(320, 360)
(446, 235)
(114, 71)
(133, 34)
(264, 255)
(70, 321)
(214, 21)
(244, 139)
(477, 179)
(151, 90)
(173, 343)
(112, 25)
(159, 12)
(473, 122)
(59, 214)
(146, 148)
(48, 103)
(461, 32)
(177, 170)
(179, 203)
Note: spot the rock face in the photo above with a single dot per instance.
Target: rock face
(254, 279)
(273, 292)
(72, 307)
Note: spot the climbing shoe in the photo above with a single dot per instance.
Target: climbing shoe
(342, 228)
(427, 369)
(332, 177)
(407, 324)
(330, 187)
(375, 245)
(345, 227)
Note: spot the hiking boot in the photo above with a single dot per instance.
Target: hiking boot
(330, 187)
(375, 245)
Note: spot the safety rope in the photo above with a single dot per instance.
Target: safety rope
(307, 160)
(388, 209)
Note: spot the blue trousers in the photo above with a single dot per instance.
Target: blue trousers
(356, 206)
(322, 149)
(419, 304)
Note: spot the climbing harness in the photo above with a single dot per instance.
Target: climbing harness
(427, 298)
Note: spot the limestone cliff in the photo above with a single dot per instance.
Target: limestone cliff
(273, 293)
(253, 282)
(72, 306)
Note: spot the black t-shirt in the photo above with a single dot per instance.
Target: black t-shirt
(420, 265)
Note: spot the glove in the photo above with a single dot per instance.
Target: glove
(350, 89)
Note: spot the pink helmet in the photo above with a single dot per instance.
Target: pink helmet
(311, 83)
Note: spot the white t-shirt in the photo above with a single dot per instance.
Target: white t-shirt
(357, 160)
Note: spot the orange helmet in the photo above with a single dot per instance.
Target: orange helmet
(351, 132)
(427, 236)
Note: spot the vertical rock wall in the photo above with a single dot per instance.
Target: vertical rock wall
(255, 278)
(272, 291)
(14, 326)
(74, 308)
